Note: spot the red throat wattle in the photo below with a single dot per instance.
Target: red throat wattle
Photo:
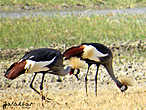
(72, 71)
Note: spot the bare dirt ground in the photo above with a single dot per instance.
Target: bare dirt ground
(70, 93)
(108, 98)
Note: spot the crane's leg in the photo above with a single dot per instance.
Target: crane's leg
(31, 84)
(78, 71)
(86, 79)
(109, 68)
(96, 78)
(41, 87)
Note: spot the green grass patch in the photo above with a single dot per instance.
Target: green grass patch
(70, 30)
(71, 4)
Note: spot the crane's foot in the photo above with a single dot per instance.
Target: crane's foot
(43, 97)
(46, 99)
(49, 100)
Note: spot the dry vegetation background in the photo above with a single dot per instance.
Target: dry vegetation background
(108, 98)
(70, 93)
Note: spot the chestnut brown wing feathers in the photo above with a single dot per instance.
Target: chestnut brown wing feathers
(73, 52)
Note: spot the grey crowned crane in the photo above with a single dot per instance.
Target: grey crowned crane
(42, 60)
(94, 53)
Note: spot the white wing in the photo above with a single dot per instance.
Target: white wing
(92, 53)
(33, 66)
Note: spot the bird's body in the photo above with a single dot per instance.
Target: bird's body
(94, 53)
(90, 52)
(42, 60)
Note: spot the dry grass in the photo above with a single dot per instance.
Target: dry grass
(70, 93)
(108, 98)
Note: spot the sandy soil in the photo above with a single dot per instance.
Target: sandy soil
(108, 98)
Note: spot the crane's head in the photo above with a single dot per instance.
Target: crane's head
(15, 70)
(123, 88)
(126, 81)
(76, 63)
(72, 71)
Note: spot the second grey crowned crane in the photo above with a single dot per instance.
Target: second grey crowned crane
(94, 53)
(42, 60)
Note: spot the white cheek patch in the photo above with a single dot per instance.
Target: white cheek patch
(31, 57)
(92, 53)
(33, 66)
